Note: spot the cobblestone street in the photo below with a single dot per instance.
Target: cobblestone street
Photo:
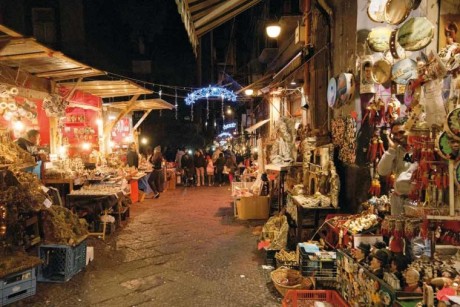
(183, 249)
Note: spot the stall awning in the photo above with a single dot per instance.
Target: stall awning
(108, 88)
(201, 16)
(257, 125)
(142, 105)
(17, 51)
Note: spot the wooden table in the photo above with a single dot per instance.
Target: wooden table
(69, 181)
(99, 204)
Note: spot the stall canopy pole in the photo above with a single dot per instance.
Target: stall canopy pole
(108, 128)
(142, 119)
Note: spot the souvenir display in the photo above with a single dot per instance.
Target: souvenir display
(415, 34)
(379, 39)
(381, 71)
(411, 94)
(367, 82)
(444, 148)
(453, 123)
(332, 93)
(403, 71)
(338, 131)
(457, 173)
(376, 10)
(347, 152)
(345, 88)
(396, 11)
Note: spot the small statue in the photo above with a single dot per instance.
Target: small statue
(282, 149)
(412, 277)
(334, 185)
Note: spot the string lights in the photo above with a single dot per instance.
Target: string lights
(175, 102)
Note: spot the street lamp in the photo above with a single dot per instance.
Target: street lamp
(273, 30)
(249, 92)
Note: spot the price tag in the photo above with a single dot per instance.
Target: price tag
(47, 203)
(45, 189)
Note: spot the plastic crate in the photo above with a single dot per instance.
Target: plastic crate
(294, 298)
(288, 264)
(17, 286)
(321, 269)
(61, 262)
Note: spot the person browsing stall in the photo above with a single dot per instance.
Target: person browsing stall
(30, 142)
(156, 175)
(397, 160)
(132, 157)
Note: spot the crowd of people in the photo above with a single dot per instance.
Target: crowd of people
(197, 167)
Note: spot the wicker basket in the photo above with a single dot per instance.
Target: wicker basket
(282, 274)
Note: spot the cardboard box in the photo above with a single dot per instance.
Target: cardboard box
(254, 207)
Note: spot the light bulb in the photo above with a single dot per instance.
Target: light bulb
(86, 146)
(144, 140)
(18, 125)
(273, 30)
(249, 92)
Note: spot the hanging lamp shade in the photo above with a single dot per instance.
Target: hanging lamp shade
(273, 29)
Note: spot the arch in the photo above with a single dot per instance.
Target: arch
(210, 91)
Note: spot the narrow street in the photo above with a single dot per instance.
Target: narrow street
(183, 249)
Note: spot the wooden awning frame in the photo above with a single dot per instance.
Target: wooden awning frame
(200, 17)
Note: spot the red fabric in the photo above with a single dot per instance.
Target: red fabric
(80, 97)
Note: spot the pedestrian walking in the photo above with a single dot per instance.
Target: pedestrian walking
(200, 164)
(220, 163)
(156, 175)
(210, 170)
(189, 169)
(231, 168)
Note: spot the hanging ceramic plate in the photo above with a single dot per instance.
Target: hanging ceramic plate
(12, 106)
(379, 39)
(332, 92)
(415, 34)
(457, 173)
(345, 88)
(3, 105)
(444, 148)
(376, 10)
(396, 11)
(14, 91)
(453, 123)
(381, 71)
(403, 71)
(397, 52)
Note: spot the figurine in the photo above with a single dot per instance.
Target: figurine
(334, 184)
(282, 150)
(412, 277)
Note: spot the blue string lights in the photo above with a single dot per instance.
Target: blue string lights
(210, 91)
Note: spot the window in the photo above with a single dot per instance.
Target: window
(44, 24)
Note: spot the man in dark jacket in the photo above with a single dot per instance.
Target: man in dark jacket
(220, 162)
(189, 168)
(132, 157)
(29, 143)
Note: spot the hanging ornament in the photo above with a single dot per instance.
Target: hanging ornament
(222, 108)
(191, 112)
(159, 94)
(207, 108)
(175, 101)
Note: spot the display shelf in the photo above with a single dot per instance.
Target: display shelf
(443, 217)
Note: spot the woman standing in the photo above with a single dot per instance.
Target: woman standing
(220, 163)
(210, 170)
(231, 167)
(200, 164)
(132, 157)
(155, 177)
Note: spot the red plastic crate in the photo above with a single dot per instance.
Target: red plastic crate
(294, 297)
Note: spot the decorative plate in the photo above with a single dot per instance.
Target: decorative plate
(453, 123)
(396, 11)
(457, 173)
(403, 71)
(332, 92)
(415, 34)
(379, 39)
(376, 10)
(381, 71)
(345, 88)
(444, 148)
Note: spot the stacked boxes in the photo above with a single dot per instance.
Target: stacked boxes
(17, 286)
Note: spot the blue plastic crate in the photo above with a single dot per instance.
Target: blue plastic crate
(17, 286)
(61, 262)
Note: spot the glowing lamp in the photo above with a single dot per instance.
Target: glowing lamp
(144, 140)
(99, 121)
(86, 146)
(273, 30)
(249, 92)
(18, 125)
